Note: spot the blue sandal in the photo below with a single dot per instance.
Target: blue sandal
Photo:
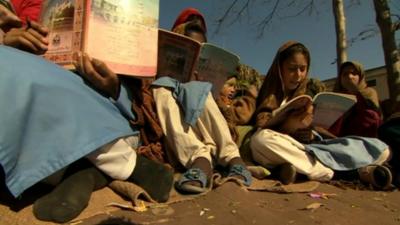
(193, 174)
(241, 170)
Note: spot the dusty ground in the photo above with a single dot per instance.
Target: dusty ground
(232, 205)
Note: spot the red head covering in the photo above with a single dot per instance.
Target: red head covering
(27, 8)
(184, 16)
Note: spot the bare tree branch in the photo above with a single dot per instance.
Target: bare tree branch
(310, 6)
(353, 3)
(223, 18)
(290, 3)
(370, 32)
(267, 20)
(239, 14)
(237, 9)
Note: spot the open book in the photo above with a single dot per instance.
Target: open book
(185, 59)
(121, 33)
(328, 108)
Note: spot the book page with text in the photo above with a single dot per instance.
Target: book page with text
(124, 34)
(330, 106)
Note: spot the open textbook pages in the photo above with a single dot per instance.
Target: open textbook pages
(185, 59)
(328, 108)
(123, 34)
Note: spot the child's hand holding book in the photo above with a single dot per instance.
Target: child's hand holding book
(97, 74)
(31, 38)
(300, 118)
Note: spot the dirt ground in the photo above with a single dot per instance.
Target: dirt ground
(228, 204)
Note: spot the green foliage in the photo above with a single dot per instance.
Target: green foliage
(248, 77)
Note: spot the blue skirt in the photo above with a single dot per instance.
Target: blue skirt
(49, 118)
(347, 153)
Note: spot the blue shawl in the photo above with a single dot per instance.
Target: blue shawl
(191, 96)
(49, 118)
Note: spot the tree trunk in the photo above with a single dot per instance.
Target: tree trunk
(392, 57)
(340, 26)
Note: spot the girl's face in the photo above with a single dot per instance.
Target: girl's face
(349, 75)
(294, 71)
(229, 88)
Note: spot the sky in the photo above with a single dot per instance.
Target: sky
(315, 31)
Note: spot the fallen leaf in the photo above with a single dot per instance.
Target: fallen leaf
(141, 207)
(313, 206)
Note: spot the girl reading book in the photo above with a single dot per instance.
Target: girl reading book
(276, 145)
(196, 133)
(51, 119)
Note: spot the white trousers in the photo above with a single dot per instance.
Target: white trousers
(270, 148)
(209, 137)
(117, 159)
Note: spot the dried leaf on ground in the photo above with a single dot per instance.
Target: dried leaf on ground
(313, 206)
